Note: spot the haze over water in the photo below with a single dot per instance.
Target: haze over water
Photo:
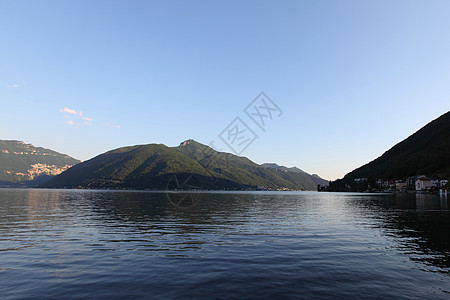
(110, 244)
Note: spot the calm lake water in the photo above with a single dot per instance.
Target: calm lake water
(111, 244)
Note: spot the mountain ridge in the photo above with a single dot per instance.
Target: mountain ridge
(425, 152)
(25, 165)
(316, 178)
(152, 166)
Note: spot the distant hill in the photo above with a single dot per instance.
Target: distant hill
(23, 164)
(189, 165)
(314, 177)
(241, 169)
(426, 152)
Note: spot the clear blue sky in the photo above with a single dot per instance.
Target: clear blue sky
(352, 77)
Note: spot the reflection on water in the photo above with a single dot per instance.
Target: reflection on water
(56, 243)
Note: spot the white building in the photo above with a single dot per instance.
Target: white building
(423, 183)
(435, 183)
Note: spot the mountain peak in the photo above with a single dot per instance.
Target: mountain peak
(187, 142)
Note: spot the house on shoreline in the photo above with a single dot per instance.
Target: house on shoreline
(417, 183)
(423, 183)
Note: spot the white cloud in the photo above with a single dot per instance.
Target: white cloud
(70, 111)
(111, 125)
(9, 85)
(74, 112)
(83, 117)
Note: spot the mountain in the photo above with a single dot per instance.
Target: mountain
(426, 152)
(241, 169)
(26, 165)
(189, 165)
(314, 177)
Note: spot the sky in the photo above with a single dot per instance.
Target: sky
(350, 79)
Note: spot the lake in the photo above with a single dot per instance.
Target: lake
(219, 245)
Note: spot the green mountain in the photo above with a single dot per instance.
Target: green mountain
(426, 152)
(190, 165)
(241, 169)
(316, 179)
(26, 165)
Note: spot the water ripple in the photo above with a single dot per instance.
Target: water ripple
(102, 244)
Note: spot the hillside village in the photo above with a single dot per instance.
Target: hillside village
(418, 183)
(419, 163)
